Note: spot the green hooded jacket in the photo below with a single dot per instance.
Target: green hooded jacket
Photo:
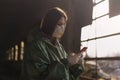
(46, 60)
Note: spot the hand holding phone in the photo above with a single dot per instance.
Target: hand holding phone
(74, 58)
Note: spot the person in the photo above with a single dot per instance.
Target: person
(45, 57)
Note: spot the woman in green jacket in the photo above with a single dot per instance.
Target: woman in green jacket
(45, 58)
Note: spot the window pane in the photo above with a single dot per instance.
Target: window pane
(102, 27)
(84, 33)
(108, 47)
(104, 47)
(101, 9)
(106, 26)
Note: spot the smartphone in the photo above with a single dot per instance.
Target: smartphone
(82, 50)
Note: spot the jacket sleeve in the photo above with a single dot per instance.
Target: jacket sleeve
(57, 71)
(74, 70)
(37, 65)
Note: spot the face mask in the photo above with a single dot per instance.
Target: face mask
(59, 31)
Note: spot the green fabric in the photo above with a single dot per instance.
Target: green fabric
(44, 60)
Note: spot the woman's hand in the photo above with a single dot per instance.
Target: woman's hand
(74, 58)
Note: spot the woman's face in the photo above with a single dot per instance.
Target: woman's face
(60, 28)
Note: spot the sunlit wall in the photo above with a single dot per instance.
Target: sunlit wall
(102, 37)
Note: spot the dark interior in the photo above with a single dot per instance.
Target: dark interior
(19, 16)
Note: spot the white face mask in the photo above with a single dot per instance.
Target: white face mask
(59, 31)
(59, 28)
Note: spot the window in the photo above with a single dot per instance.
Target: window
(102, 38)
(103, 34)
